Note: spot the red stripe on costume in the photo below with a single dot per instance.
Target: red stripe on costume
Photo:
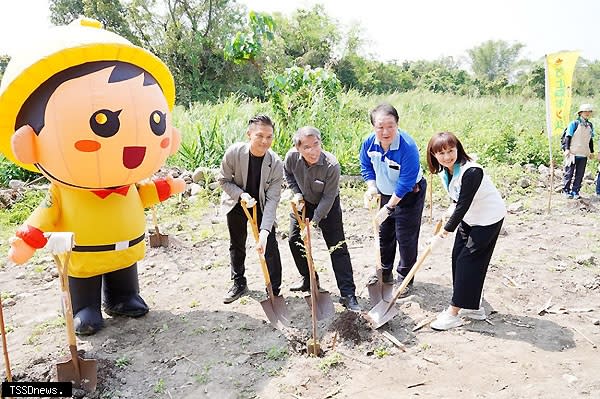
(162, 189)
(32, 236)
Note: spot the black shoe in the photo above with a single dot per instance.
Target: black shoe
(235, 292)
(88, 321)
(372, 280)
(302, 285)
(408, 288)
(134, 306)
(387, 277)
(276, 291)
(122, 293)
(400, 280)
(86, 294)
(351, 303)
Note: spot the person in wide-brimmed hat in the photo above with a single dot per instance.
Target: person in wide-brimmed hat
(578, 147)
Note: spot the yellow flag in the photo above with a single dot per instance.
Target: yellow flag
(559, 76)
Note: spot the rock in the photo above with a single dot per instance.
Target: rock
(9, 302)
(569, 378)
(524, 182)
(20, 276)
(198, 175)
(195, 189)
(213, 186)
(515, 207)
(543, 170)
(586, 259)
(16, 184)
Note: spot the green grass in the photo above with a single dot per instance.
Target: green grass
(501, 130)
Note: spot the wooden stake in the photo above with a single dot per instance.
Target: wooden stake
(586, 338)
(393, 340)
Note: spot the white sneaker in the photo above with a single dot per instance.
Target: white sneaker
(478, 314)
(446, 321)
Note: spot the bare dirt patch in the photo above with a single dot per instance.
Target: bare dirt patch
(191, 345)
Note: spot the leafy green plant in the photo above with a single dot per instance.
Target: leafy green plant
(9, 171)
(122, 362)
(381, 352)
(43, 328)
(203, 377)
(333, 360)
(159, 387)
(277, 353)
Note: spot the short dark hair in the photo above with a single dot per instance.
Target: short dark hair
(386, 109)
(261, 119)
(439, 142)
(34, 108)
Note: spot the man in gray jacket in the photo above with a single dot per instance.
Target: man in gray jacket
(252, 172)
(313, 175)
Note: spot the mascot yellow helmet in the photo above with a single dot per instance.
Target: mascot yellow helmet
(61, 48)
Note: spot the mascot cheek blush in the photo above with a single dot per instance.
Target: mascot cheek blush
(92, 113)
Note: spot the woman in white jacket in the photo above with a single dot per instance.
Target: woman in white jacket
(477, 219)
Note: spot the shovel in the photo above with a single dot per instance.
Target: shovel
(312, 346)
(379, 291)
(274, 306)
(324, 304)
(83, 373)
(4, 346)
(384, 311)
(156, 238)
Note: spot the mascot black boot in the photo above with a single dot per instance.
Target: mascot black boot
(86, 299)
(121, 293)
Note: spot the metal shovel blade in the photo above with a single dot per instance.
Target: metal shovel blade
(276, 312)
(83, 373)
(379, 291)
(157, 239)
(380, 314)
(325, 308)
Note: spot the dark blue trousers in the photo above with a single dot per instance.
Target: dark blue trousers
(574, 175)
(402, 228)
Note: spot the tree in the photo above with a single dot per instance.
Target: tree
(586, 78)
(4, 59)
(309, 37)
(63, 12)
(110, 13)
(493, 60)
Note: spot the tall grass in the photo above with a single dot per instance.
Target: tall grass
(501, 130)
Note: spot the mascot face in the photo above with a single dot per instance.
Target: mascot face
(107, 128)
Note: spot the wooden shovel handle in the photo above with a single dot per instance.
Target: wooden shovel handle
(4, 345)
(408, 278)
(297, 215)
(263, 262)
(154, 218)
(64, 285)
(313, 280)
(66, 294)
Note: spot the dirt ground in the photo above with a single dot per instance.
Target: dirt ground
(191, 345)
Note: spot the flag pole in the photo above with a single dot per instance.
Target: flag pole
(549, 131)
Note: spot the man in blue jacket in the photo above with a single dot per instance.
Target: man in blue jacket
(389, 161)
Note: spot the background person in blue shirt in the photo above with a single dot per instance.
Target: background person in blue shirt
(579, 146)
(389, 162)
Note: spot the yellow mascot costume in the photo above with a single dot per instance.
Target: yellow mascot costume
(92, 113)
